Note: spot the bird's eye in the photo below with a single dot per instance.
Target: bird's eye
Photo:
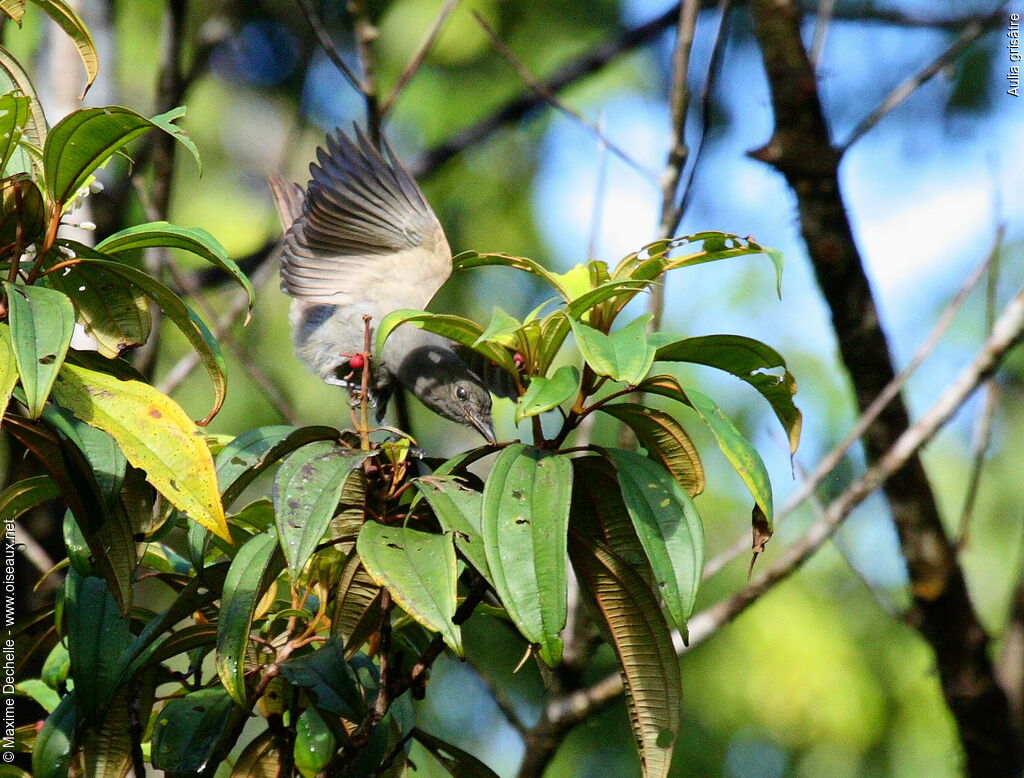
(461, 393)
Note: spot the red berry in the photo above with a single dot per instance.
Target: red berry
(519, 360)
(356, 361)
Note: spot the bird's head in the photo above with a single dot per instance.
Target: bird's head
(463, 400)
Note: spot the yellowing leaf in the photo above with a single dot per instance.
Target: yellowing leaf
(155, 435)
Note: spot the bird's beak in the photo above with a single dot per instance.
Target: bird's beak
(483, 426)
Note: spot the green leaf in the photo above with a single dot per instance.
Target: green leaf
(669, 528)
(252, 572)
(191, 326)
(107, 750)
(500, 330)
(35, 689)
(469, 260)
(155, 435)
(14, 113)
(166, 235)
(22, 210)
(85, 139)
(24, 495)
(42, 322)
(665, 440)
(51, 754)
(543, 394)
(455, 761)
(738, 450)
(307, 489)
(190, 731)
(326, 673)
(525, 520)
(750, 360)
(456, 328)
(110, 308)
(649, 666)
(420, 571)
(624, 355)
(253, 452)
(460, 512)
(13, 77)
(72, 24)
(97, 636)
(314, 743)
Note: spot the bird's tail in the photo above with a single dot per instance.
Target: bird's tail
(288, 198)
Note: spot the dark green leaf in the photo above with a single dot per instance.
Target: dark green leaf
(42, 322)
(252, 572)
(326, 673)
(307, 489)
(192, 327)
(14, 113)
(97, 636)
(261, 758)
(166, 235)
(314, 743)
(21, 207)
(665, 440)
(543, 394)
(190, 731)
(669, 528)
(51, 755)
(24, 495)
(525, 520)
(85, 139)
(419, 569)
(112, 310)
(750, 360)
(356, 607)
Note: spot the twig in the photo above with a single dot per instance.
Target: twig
(971, 33)
(501, 700)
(549, 97)
(366, 34)
(832, 459)
(600, 192)
(417, 61)
(983, 435)
(324, 38)
(364, 388)
(824, 15)
(1006, 333)
(714, 69)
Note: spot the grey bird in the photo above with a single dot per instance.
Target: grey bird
(362, 240)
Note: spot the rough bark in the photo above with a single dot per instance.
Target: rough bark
(942, 610)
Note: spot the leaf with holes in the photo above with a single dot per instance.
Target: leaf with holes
(419, 570)
(669, 528)
(525, 520)
(459, 511)
(42, 322)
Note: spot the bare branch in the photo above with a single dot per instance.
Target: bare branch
(324, 38)
(366, 34)
(550, 98)
(824, 15)
(417, 61)
(974, 30)
(832, 459)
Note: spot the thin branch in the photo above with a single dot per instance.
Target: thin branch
(324, 38)
(832, 459)
(714, 70)
(824, 15)
(622, 43)
(971, 33)
(549, 97)
(501, 700)
(417, 61)
(1007, 333)
(366, 34)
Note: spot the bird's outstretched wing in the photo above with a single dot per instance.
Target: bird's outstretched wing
(366, 236)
